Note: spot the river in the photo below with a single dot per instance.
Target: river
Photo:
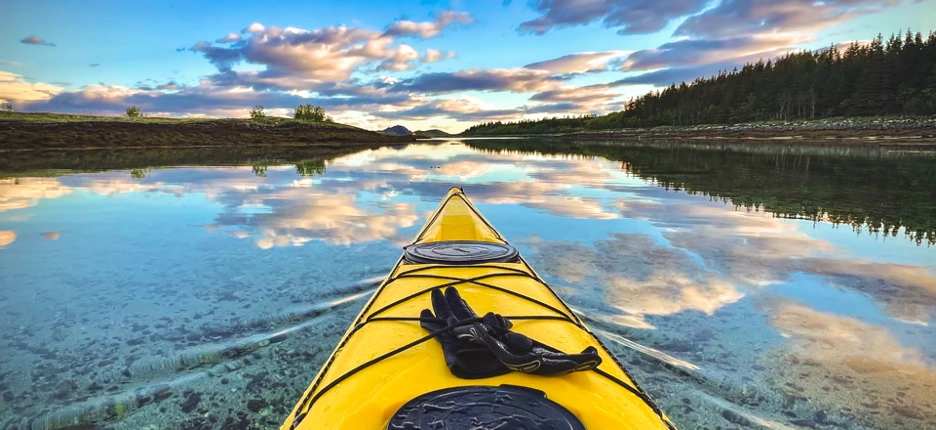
(743, 285)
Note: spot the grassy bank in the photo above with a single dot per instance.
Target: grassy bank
(45, 131)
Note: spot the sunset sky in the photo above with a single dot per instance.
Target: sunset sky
(423, 64)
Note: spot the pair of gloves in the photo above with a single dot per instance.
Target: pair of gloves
(487, 348)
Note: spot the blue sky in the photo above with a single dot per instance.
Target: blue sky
(423, 64)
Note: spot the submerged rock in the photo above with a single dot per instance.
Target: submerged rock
(191, 402)
(255, 405)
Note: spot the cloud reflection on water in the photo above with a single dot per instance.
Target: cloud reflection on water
(633, 257)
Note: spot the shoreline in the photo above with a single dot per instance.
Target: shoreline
(25, 132)
(870, 131)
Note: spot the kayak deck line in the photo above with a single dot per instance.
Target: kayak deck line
(423, 279)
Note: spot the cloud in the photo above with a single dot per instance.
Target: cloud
(433, 55)
(51, 235)
(693, 52)
(7, 237)
(630, 16)
(333, 218)
(231, 37)
(26, 192)
(94, 65)
(426, 30)
(592, 94)
(13, 88)
(206, 98)
(864, 360)
(513, 80)
(170, 86)
(301, 58)
(582, 62)
(36, 40)
(733, 17)
(461, 109)
(8, 63)
(736, 32)
(254, 28)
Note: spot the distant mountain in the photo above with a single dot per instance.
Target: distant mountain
(432, 133)
(398, 130)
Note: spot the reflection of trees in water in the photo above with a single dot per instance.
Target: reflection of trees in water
(866, 187)
(311, 167)
(259, 168)
(141, 161)
(138, 174)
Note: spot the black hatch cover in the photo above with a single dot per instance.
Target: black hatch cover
(460, 252)
(484, 408)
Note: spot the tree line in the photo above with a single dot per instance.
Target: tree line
(542, 126)
(896, 76)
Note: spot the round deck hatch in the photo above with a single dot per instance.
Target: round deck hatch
(484, 408)
(460, 252)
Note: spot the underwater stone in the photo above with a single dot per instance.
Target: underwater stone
(191, 402)
(142, 401)
(255, 405)
(736, 419)
(163, 395)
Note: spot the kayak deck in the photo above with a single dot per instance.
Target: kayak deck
(386, 358)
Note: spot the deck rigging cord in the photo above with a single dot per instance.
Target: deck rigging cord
(314, 394)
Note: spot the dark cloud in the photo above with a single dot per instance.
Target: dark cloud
(170, 86)
(36, 40)
(674, 75)
(630, 16)
(564, 107)
(94, 65)
(222, 58)
(691, 52)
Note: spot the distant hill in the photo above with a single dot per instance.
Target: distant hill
(398, 130)
(432, 133)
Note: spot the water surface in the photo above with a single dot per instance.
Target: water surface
(744, 286)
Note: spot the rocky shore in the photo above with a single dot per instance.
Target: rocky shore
(921, 130)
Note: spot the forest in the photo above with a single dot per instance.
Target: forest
(541, 126)
(896, 76)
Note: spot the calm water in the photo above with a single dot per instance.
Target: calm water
(745, 286)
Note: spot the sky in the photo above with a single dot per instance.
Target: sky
(422, 64)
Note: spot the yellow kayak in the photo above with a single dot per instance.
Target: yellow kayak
(389, 372)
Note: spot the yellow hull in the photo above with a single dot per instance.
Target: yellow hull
(368, 397)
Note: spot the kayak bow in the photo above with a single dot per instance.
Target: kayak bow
(388, 373)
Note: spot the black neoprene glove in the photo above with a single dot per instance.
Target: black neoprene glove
(466, 358)
(488, 348)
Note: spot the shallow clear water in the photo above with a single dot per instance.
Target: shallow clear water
(744, 287)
